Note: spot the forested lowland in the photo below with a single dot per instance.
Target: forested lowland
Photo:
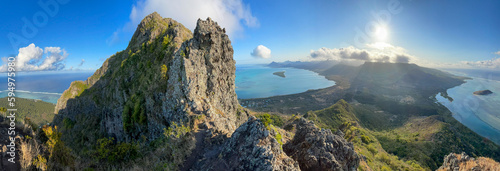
(37, 111)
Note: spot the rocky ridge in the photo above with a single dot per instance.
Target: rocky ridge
(192, 75)
(251, 147)
(169, 78)
(463, 162)
(319, 149)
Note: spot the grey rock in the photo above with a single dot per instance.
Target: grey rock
(319, 149)
(463, 161)
(251, 147)
(199, 81)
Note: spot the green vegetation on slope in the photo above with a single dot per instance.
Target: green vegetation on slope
(270, 119)
(423, 137)
(38, 111)
(340, 116)
(77, 87)
(334, 116)
(389, 99)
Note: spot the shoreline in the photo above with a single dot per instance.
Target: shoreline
(290, 70)
(482, 118)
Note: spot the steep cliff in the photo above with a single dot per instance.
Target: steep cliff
(172, 94)
(166, 74)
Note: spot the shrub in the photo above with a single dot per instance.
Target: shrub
(365, 139)
(127, 122)
(59, 154)
(278, 138)
(268, 119)
(384, 158)
(183, 54)
(265, 119)
(164, 71)
(68, 123)
(175, 130)
(372, 149)
(166, 42)
(109, 151)
(40, 162)
(134, 113)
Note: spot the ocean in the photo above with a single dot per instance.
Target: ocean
(252, 81)
(258, 81)
(45, 86)
(479, 113)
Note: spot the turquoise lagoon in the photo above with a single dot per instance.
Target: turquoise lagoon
(252, 81)
(480, 113)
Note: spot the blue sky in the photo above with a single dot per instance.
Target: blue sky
(431, 33)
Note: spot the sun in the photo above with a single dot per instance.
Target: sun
(381, 33)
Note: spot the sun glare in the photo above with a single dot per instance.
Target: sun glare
(381, 33)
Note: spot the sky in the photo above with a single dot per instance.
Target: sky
(64, 35)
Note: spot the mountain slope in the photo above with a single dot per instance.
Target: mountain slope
(341, 117)
(163, 76)
(395, 103)
(168, 102)
(169, 82)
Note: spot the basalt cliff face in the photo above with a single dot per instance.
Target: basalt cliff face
(177, 89)
(165, 75)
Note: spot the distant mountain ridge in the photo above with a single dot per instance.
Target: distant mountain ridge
(395, 102)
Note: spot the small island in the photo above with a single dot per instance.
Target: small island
(280, 73)
(482, 92)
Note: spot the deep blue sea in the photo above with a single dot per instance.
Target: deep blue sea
(252, 81)
(480, 113)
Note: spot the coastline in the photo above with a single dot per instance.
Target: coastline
(259, 81)
(471, 110)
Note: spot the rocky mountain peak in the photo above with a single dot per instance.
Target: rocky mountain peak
(171, 83)
(154, 26)
(165, 75)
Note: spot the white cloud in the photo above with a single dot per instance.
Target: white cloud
(377, 52)
(261, 52)
(81, 63)
(492, 63)
(486, 64)
(30, 59)
(229, 14)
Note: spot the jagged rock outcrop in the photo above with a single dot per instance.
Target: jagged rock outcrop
(463, 162)
(166, 74)
(319, 149)
(251, 147)
(171, 78)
